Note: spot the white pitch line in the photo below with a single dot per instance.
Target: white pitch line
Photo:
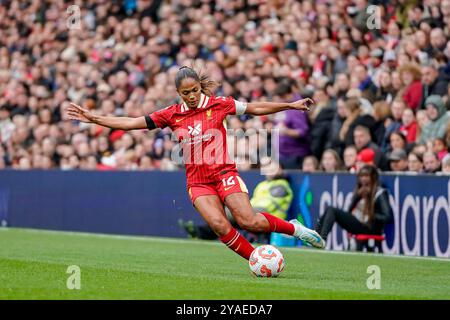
(217, 243)
(369, 254)
(117, 236)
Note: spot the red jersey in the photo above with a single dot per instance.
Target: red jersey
(201, 134)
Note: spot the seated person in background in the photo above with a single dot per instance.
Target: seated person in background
(439, 120)
(310, 164)
(365, 157)
(409, 126)
(445, 165)
(398, 160)
(331, 162)
(350, 158)
(440, 148)
(415, 162)
(369, 210)
(431, 163)
(363, 140)
(397, 141)
(273, 195)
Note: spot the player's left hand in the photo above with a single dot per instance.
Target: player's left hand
(303, 104)
(75, 112)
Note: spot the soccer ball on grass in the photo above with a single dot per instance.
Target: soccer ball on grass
(266, 261)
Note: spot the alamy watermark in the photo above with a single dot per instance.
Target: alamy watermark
(74, 17)
(74, 280)
(374, 17)
(374, 280)
(212, 147)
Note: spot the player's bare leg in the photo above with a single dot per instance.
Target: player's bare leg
(241, 209)
(212, 211)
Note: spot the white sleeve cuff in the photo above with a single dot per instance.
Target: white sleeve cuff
(241, 107)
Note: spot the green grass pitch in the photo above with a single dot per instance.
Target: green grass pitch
(33, 265)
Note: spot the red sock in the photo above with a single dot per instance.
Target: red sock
(279, 225)
(235, 241)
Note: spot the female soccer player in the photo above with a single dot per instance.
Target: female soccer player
(212, 178)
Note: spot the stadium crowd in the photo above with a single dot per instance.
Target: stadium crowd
(380, 86)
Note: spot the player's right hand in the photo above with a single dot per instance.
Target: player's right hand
(75, 112)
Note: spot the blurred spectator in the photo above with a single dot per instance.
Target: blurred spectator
(274, 194)
(321, 123)
(342, 85)
(437, 40)
(397, 141)
(310, 164)
(415, 162)
(398, 160)
(350, 158)
(397, 108)
(409, 126)
(412, 94)
(385, 91)
(445, 165)
(382, 117)
(331, 162)
(294, 138)
(439, 120)
(6, 124)
(431, 162)
(354, 118)
(363, 140)
(422, 122)
(432, 84)
(420, 149)
(440, 148)
(365, 83)
(333, 140)
(364, 157)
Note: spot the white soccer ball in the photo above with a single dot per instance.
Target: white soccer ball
(266, 261)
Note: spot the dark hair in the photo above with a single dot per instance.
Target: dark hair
(398, 133)
(417, 155)
(207, 84)
(369, 206)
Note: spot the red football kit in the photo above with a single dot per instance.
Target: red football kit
(201, 134)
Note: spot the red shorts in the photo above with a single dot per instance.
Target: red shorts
(231, 183)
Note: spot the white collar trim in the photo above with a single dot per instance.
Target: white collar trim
(201, 104)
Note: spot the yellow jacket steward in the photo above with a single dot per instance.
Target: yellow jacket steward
(273, 196)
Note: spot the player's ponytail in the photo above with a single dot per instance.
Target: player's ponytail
(207, 84)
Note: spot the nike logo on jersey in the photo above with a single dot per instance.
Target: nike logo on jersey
(178, 120)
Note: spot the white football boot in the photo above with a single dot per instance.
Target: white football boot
(309, 236)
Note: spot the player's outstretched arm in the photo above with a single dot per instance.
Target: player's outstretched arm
(263, 108)
(75, 112)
